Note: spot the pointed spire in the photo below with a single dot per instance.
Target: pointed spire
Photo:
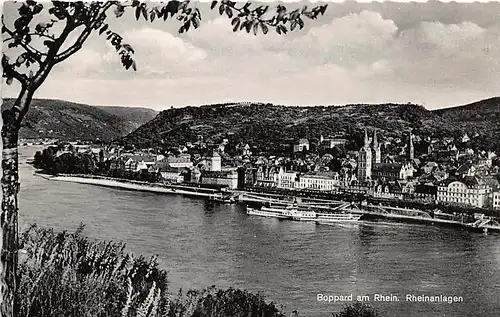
(410, 154)
(375, 141)
(367, 141)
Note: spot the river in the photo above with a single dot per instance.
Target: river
(290, 262)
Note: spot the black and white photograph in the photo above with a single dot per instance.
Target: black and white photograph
(250, 159)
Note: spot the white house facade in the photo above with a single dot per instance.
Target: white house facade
(469, 191)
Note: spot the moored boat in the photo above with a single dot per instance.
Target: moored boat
(266, 212)
(221, 199)
(290, 212)
(293, 212)
(300, 215)
(337, 217)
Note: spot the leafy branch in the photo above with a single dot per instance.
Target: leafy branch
(18, 39)
(251, 19)
(94, 19)
(92, 16)
(10, 73)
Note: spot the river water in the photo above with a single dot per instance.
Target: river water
(290, 262)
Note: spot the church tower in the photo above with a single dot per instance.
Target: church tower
(215, 162)
(377, 157)
(410, 150)
(365, 160)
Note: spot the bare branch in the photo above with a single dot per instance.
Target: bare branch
(75, 47)
(28, 48)
(50, 37)
(83, 36)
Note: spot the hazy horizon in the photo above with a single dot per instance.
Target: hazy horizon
(434, 54)
(254, 102)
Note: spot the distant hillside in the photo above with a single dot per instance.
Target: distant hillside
(71, 121)
(481, 117)
(484, 114)
(133, 116)
(270, 126)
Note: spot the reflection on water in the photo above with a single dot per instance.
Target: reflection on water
(203, 244)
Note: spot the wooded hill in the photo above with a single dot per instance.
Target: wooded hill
(66, 120)
(271, 127)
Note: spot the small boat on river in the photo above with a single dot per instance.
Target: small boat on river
(223, 199)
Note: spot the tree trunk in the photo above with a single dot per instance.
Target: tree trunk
(9, 214)
(9, 230)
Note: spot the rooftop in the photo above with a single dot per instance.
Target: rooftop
(387, 167)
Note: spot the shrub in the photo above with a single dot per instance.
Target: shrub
(357, 309)
(67, 274)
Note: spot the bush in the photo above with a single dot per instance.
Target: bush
(357, 310)
(67, 274)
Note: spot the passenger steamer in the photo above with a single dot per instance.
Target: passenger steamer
(267, 212)
(292, 212)
(337, 217)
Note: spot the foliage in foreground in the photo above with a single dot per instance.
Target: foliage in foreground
(67, 274)
(357, 309)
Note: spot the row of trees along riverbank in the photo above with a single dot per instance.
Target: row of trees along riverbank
(74, 163)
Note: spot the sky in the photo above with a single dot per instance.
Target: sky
(434, 54)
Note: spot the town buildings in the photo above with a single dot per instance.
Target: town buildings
(392, 171)
(215, 175)
(301, 146)
(371, 167)
(425, 192)
(365, 160)
(320, 182)
(214, 162)
(496, 200)
(445, 171)
(181, 161)
(468, 190)
(172, 175)
(331, 143)
(135, 163)
(227, 179)
(266, 176)
(286, 179)
(377, 156)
